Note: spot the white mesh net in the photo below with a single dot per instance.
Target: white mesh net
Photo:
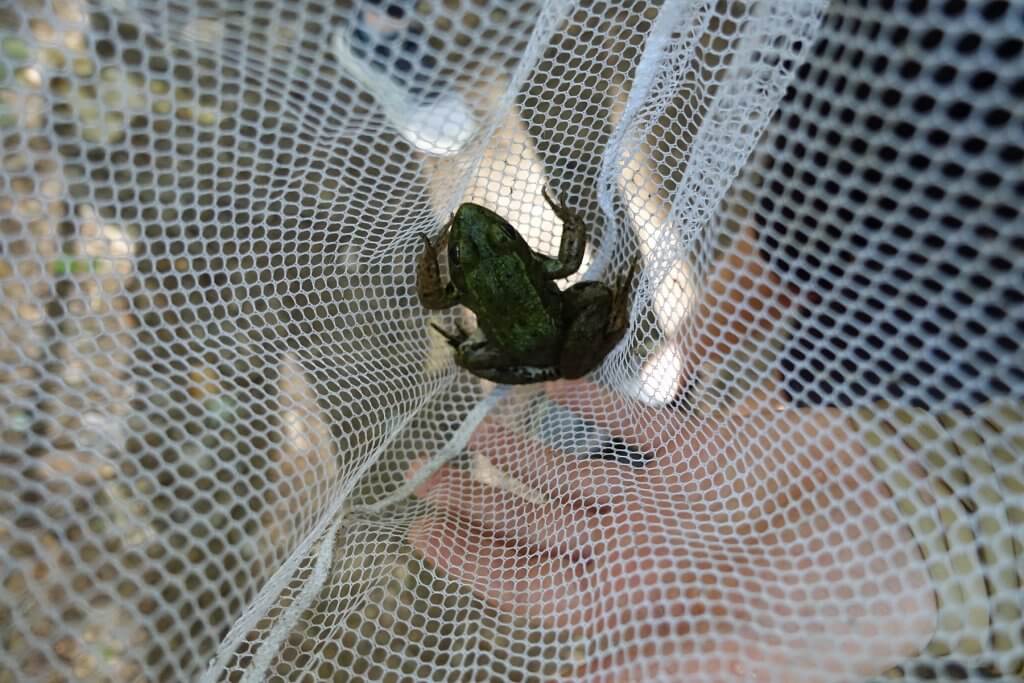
(233, 448)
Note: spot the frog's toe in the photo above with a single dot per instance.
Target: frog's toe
(552, 202)
(625, 284)
(619, 318)
(455, 339)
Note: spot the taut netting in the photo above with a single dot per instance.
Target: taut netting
(234, 448)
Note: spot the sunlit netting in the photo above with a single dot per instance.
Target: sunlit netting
(233, 447)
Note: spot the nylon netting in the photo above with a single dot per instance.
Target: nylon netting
(234, 449)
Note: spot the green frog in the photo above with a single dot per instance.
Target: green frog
(528, 330)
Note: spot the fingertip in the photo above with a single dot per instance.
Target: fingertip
(432, 482)
(415, 466)
(565, 388)
(423, 536)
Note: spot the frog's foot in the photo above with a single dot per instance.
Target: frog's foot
(487, 361)
(455, 339)
(574, 241)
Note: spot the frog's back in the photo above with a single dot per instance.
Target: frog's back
(523, 321)
(517, 307)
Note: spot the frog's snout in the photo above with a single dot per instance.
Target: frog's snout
(480, 234)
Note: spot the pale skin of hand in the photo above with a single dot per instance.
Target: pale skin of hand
(752, 547)
(758, 545)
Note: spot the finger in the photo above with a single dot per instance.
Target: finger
(570, 480)
(658, 430)
(740, 295)
(540, 522)
(554, 589)
(690, 456)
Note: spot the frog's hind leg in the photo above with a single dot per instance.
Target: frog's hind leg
(485, 360)
(474, 353)
(517, 374)
(586, 309)
(596, 321)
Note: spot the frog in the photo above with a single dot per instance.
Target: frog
(528, 329)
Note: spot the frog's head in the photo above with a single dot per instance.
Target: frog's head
(479, 235)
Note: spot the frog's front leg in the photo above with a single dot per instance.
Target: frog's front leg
(574, 242)
(596, 320)
(432, 292)
(483, 359)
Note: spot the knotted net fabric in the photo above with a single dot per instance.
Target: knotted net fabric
(233, 448)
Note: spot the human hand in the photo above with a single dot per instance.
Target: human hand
(758, 546)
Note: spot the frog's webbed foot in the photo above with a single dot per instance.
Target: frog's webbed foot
(433, 293)
(572, 245)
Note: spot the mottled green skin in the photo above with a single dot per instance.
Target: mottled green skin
(517, 307)
(528, 329)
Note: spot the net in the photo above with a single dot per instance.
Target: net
(233, 447)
